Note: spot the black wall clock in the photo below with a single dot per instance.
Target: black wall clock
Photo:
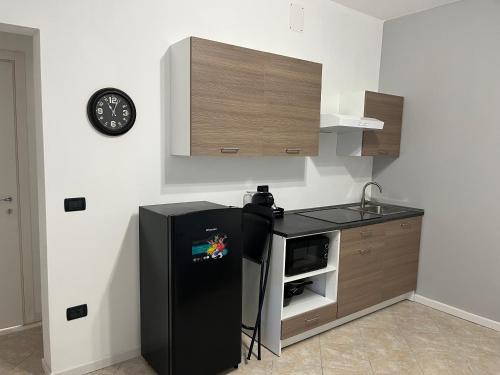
(111, 111)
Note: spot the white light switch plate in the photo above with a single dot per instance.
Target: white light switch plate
(296, 17)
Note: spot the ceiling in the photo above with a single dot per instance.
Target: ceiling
(389, 9)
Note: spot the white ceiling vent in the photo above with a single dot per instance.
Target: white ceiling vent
(296, 17)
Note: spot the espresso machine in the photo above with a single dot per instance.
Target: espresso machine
(263, 197)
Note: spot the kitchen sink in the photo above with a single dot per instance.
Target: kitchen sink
(378, 209)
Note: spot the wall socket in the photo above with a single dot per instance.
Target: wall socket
(76, 312)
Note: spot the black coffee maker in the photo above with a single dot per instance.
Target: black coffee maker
(264, 198)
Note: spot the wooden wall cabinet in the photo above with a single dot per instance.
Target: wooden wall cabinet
(377, 262)
(229, 100)
(389, 109)
(383, 107)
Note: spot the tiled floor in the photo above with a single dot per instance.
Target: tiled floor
(404, 339)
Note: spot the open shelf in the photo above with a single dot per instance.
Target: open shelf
(305, 302)
(329, 268)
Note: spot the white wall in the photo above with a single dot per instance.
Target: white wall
(92, 257)
(446, 63)
(24, 44)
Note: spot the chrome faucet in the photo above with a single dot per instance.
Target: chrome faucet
(363, 196)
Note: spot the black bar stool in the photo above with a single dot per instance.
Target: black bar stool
(258, 227)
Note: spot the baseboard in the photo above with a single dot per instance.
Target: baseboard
(485, 322)
(94, 366)
(6, 331)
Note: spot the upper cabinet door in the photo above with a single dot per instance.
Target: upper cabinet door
(292, 92)
(389, 109)
(227, 99)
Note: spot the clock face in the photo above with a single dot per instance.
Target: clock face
(111, 111)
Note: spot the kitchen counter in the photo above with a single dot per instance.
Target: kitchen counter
(294, 225)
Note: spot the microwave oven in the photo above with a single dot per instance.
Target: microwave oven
(306, 254)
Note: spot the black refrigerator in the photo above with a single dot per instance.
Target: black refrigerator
(190, 273)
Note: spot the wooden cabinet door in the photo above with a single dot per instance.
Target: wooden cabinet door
(292, 94)
(399, 257)
(360, 273)
(387, 108)
(227, 99)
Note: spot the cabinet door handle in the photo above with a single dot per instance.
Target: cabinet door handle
(366, 234)
(229, 150)
(293, 151)
(365, 251)
(405, 225)
(311, 321)
(6, 199)
(382, 152)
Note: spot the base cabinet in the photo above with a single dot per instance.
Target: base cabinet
(377, 262)
(400, 257)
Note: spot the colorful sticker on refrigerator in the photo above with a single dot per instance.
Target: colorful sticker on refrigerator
(211, 248)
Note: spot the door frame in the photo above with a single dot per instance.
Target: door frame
(18, 60)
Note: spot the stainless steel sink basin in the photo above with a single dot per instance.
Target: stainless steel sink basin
(378, 209)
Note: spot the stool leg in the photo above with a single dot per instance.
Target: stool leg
(259, 311)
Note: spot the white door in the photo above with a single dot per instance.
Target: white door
(11, 291)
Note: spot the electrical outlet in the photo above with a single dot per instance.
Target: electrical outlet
(76, 312)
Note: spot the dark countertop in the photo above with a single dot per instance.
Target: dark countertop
(293, 225)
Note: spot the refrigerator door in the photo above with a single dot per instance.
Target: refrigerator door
(206, 265)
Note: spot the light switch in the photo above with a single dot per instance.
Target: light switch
(296, 17)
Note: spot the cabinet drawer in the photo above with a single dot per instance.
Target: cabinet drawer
(304, 322)
(404, 226)
(369, 233)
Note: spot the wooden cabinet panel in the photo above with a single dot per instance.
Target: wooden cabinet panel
(304, 322)
(400, 256)
(292, 95)
(227, 99)
(360, 273)
(387, 108)
(377, 262)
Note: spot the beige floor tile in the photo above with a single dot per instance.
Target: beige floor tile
(404, 339)
(348, 334)
(343, 371)
(254, 366)
(137, 366)
(31, 365)
(15, 349)
(488, 364)
(380, 319)
(441, 363)
(5, 368)
(383, 343)
(111, 370)
(400, 367)
(490, 344)
(298, 371)
(422, 342)
(344, 357)
(416, 323)
(303, 355)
